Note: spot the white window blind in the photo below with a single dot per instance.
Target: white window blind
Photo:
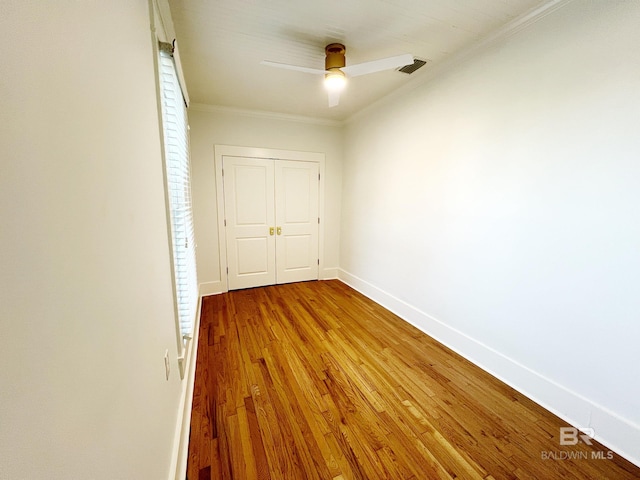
(176, 143)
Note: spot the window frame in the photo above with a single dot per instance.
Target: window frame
(177, 179)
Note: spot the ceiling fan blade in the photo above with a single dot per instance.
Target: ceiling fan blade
(294, 67)
(378, 65)
(334, 98)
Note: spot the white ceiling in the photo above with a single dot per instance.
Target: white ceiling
(223, 41)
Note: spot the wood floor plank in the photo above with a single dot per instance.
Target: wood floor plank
(315, 381)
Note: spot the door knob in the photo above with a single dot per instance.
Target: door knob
(271, 230)
(279, 230)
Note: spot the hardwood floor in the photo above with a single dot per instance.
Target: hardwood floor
(315, 381)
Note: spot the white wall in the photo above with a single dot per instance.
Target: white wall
(497, 207)
(86, 308)
(210, 127)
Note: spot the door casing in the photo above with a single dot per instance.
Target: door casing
(221, 151)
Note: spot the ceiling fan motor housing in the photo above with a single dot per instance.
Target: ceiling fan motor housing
(334, 56)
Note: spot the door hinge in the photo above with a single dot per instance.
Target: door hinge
(227, 270)
(318, 261)
(225, 222)
(223, 172)
(318, 177)
(318, 220)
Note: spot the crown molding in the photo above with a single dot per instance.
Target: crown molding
(513, 27)
(203, 107)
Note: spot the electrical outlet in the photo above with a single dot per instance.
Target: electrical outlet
(167, 365)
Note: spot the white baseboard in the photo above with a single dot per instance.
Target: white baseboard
(329, 273)
(210, 288)
(613, 431)
(178, 468)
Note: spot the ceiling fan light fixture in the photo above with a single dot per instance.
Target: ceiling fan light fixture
(336, 70)
(335, 80)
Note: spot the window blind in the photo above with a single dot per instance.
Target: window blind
(176, 143)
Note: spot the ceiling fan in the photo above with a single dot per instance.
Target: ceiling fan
(336, 71)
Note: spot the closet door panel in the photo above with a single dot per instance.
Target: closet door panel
(296, 201)
(250, 218)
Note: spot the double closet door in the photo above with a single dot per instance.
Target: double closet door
(272, 223)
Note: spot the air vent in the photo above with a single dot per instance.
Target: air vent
(409, 69)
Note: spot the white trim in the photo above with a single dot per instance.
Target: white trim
(611, 429)
(179, 456)
(202, 107)
(162, 19)
(523, 21)
(222, 237)
(321, 215)
(180, 73)
(435, 70)
(329, 273)
(156, 37)
(441, 67)
(275, 154)
(221, 151)
(211, 288)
